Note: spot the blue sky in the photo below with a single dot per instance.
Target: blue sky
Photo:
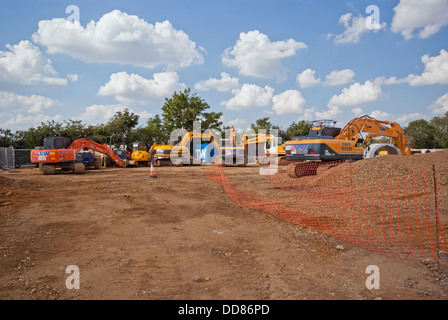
(284, 59)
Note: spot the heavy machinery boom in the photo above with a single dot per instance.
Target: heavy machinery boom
(375, 128)
(49, 159)
(328, 143)
(80, 144)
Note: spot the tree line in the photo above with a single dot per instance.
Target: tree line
(180, 111)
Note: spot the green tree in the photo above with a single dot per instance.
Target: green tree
(7, 138)
(421, 134)
(183, 108)
(301, 128)
(262, 123)
(74, 129)
(441, 126)
(123, 122)
(153, 132)
(34, 137)
(212, 120)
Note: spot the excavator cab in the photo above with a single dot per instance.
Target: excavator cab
(324, 129)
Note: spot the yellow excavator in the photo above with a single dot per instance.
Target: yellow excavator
(326, 142)
(161, 153)
(251, 148)
(180, 153)
(233, 151)
(264, 145)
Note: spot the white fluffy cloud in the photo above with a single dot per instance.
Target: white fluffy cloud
(402, 119)
(255, 55)
(250, 96)
(96, 114)
(357, 94)
(19, 121)
(128, 88)
(355, 28)
(24, 65)
(120, 38)
(426, 17)
(436, 70)
(331, 113)
(339, 77)
(440, 106)
(237, 122)
(380, 115)
(19, 112)
(288, 102)
(357, 111)
(307, 79)
(29, 104)
(226, 83)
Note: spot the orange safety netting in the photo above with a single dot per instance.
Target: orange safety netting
(397, 216)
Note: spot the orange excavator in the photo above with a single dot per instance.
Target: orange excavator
(69, 158)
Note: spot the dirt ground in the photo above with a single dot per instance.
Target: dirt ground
(177, 237)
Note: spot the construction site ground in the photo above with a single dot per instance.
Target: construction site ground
(177, 237)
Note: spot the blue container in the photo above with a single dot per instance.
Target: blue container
(200, 152)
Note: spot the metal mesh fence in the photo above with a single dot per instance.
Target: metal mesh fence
(7, 159)
(398, 216)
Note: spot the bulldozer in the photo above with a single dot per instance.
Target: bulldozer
(326, 143)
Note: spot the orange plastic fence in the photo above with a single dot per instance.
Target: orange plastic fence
(397, 216)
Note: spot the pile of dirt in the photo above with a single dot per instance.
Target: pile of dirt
(5, 182)
(380, 169)
(12, 183)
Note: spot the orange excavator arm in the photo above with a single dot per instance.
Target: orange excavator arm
(353, 130)
(101, 148)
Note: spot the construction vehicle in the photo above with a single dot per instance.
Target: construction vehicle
(326, 142)
(181, 154)
(69, 158)
(89, 159)
(119, 149)
(139, 156)
(250, 148)
(233, 151)
(160, 153)
(265, 146)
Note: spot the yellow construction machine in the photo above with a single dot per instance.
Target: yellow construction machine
(326, 142)
(181, 154)
(250, 148)
(161, 153)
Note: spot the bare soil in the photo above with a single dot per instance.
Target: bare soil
(177, 237)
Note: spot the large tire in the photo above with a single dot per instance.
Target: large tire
(79, 168)
(49, 169)
(97, 163)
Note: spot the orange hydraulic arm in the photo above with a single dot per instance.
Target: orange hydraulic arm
(102, 148)
(353, 130)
